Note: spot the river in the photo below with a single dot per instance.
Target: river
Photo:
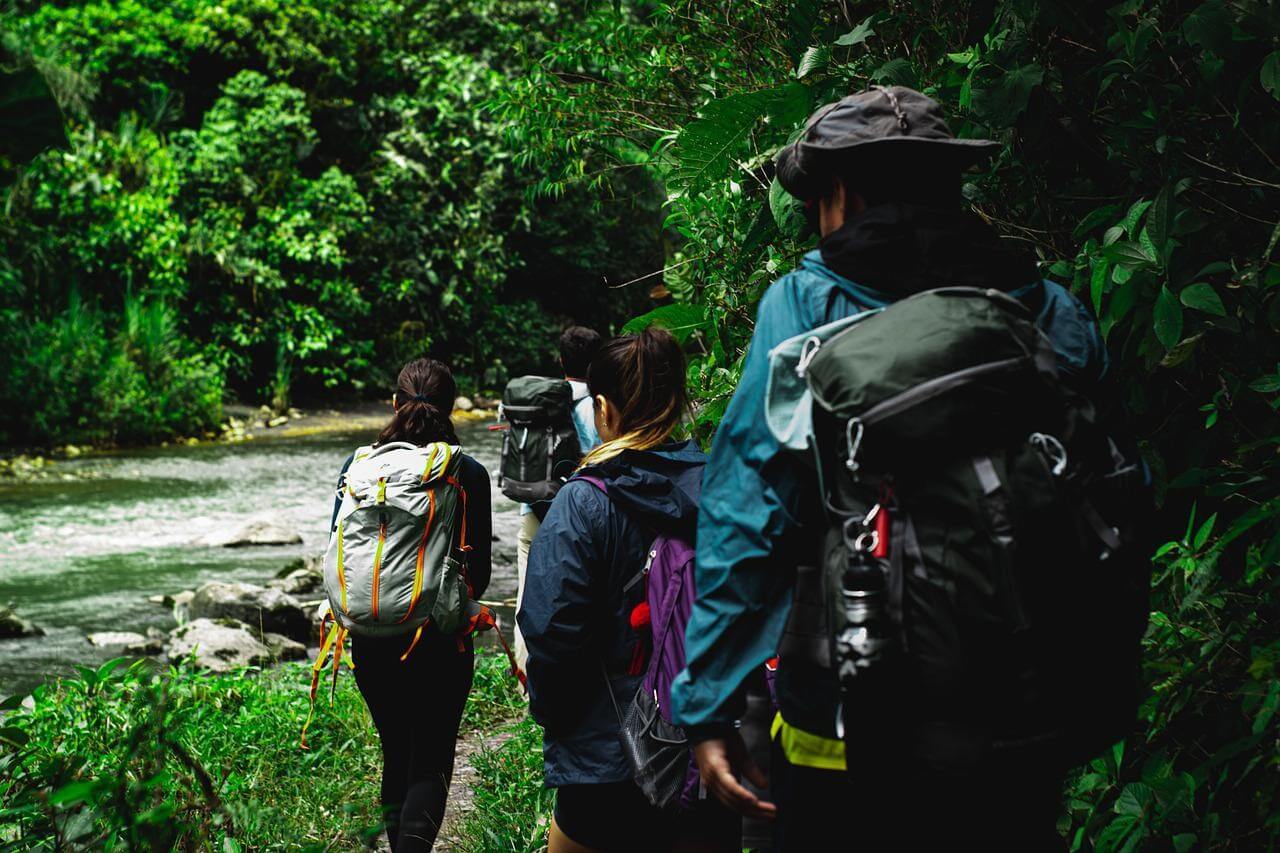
(83, 554)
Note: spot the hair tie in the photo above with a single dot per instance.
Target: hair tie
(420, 398)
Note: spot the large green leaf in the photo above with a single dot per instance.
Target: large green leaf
(30, 120)
(1160, 223)
(815, 59)
(896, 72)
(1202, 297)
(1167, 319)
(705, 148)
(1209, 27)
(1002, 101)
(787, 210)
(858, 34)
(679, 319)
(1269, 76)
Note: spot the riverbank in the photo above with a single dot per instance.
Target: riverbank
(240, 423)
(131, 755)
(95, 552)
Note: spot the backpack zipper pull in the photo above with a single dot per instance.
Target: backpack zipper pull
(648, 564)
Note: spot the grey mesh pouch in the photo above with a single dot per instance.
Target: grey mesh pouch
(657, 750)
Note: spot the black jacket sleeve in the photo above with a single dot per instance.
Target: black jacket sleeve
(475, 481)
(337, 493)
(557, 607)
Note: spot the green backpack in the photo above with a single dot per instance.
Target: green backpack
(982, 592)
(540, 448)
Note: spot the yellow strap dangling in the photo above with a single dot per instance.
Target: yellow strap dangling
(417, 635)
(329, 640)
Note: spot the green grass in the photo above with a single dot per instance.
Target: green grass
(134, 756)
(512, 808)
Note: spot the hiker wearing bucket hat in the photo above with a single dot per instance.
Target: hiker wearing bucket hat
(880, 175)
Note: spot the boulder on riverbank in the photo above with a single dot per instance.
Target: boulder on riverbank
(304, 576)
(109, 639)
(219, 646)
(151, 646)
(260, 607)
(255, 531)
(13, 626)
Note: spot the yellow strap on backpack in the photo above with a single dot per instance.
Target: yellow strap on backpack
(332, 640)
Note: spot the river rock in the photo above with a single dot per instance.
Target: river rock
(182, 605)
(256, 606)
(13, 626)
(282, 648)
(464, 404)
(255, 531)
(218, 646)
(299, 582)
(107, 639)
(151, 645)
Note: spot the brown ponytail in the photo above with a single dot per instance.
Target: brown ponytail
(643, 376)
(425, 392)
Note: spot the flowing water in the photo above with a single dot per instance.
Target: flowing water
(84, 554)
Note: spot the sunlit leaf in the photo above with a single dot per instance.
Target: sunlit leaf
(858, 34)
(679, 319)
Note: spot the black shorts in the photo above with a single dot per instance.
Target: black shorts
(615, 816)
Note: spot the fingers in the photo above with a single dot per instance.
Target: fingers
(739, 799)
(753, 773)
(718, 775)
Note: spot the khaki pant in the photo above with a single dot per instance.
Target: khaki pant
(528, 529)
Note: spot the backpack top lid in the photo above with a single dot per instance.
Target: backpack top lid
(538, 397)
(937, 368)
(937, 333)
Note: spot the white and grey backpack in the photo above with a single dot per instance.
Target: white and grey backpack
(393, 561)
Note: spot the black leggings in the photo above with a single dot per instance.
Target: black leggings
(416, 706)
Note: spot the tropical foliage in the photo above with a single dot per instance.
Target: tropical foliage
(289, 197)
(313, 192)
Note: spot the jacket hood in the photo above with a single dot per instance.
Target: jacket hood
(659, 488)
(898, 249)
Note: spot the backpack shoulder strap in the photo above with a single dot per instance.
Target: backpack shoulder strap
(593, 480)
(599, 483)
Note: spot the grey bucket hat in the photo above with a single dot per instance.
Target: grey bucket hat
(879, 122)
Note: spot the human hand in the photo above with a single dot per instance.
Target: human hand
(719, 762)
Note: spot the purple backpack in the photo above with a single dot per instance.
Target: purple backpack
(669, 592)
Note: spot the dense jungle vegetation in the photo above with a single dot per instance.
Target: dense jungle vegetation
(274, 199)
(288, 197)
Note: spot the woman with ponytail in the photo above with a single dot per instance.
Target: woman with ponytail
(416, 700)
(582, 622)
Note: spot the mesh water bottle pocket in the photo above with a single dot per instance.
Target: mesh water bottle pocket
(449, 611)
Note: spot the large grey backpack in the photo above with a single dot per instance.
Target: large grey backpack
(392, 563)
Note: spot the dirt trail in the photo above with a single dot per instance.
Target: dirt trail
(461, 797)
(461, 800)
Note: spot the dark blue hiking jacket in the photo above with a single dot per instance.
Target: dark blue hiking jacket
(575, 615)
(759, 517)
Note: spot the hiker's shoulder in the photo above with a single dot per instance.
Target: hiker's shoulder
(471, 471)
(793, 298)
